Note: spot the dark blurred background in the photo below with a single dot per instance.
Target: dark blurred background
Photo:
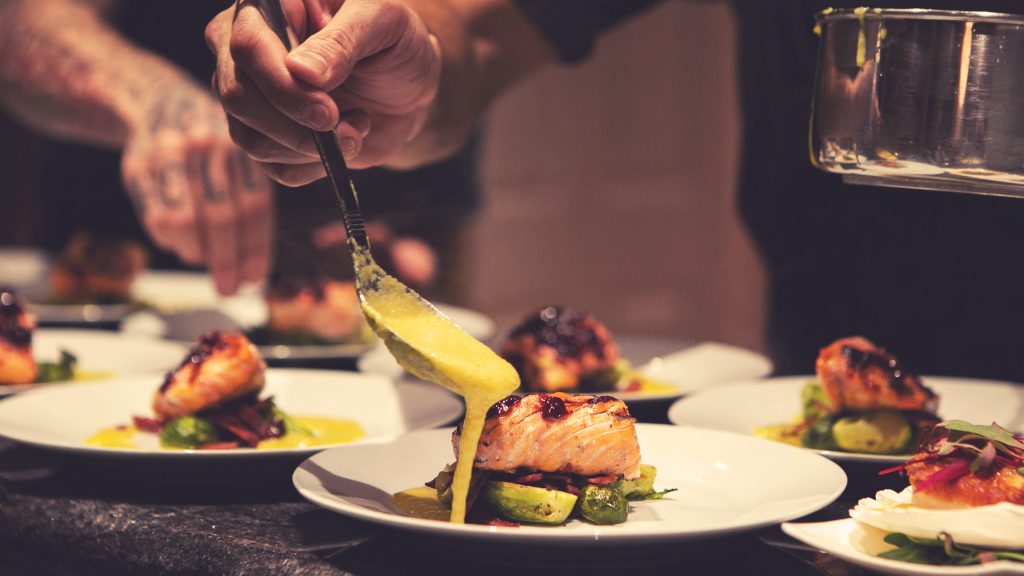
(609, 185)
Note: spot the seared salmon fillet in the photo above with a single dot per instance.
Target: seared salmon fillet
(556, 348)
(857, 375)
(574, 434)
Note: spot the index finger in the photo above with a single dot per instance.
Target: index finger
(259, 54)
(215, 211)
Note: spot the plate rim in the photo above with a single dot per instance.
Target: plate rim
(75, 314)
(10, 389)
(846, 457)
(343, 351)
(542, 535)
(678, 392)
(797, 530)
(442, 395)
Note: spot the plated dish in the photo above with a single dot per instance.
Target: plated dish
(63, 416)
(863, 400)
(90, 281)
(710, 469)
(312, 311)
(214, 400)
(679, 368)
(247, 311)
(567, 349)
(860, 545)
(545, 459)
(29, 357)
(964, 506)
(95, 269)
(745, 406)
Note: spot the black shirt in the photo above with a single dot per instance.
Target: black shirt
(932, 276)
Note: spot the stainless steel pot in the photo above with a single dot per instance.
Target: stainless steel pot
(921, 99)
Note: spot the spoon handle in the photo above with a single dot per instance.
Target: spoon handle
(326, 142)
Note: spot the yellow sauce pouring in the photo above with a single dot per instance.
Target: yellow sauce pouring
(432, 347)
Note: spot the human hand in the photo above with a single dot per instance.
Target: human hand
(195, 192)
(367, 69)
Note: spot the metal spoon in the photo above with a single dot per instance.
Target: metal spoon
(423, 340)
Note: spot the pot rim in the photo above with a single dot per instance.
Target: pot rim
(918, 14)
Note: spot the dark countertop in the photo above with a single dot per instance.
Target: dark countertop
(64, 515)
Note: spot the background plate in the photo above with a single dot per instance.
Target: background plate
(743, 406)
(102, 354)
(684, 367)
(241, 313)
(860, 545)
(62, 416)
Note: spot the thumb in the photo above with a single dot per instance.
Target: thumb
(360, 29)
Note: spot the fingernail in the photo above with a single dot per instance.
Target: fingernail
(311, 61)
(358, 120)
(348, 147)
(317, 116)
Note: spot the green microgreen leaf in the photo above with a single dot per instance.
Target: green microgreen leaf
(994, 433)
(658, 495)
(941, 551)
(1011, 556)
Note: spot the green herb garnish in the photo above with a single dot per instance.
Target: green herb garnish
(657, 494)
(983, 445)
(942, 551)
(63, 369)
(995, 432)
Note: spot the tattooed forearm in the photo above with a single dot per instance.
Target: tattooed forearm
(64, 71)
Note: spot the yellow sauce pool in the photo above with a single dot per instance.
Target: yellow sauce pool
(421, 502)
(648, 386)
(317, 432)
(86, 375)
(786, 433)
(433, 348)
(114, 437)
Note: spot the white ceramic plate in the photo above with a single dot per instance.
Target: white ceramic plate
(245, 312)
(860, 545)
(743, 406)
(684, 371)
(23, 269)
(102, 354)
(81, 314)
(177, 291)
(27, 271)
(701, 366)
(721, 478)
(62, 416)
